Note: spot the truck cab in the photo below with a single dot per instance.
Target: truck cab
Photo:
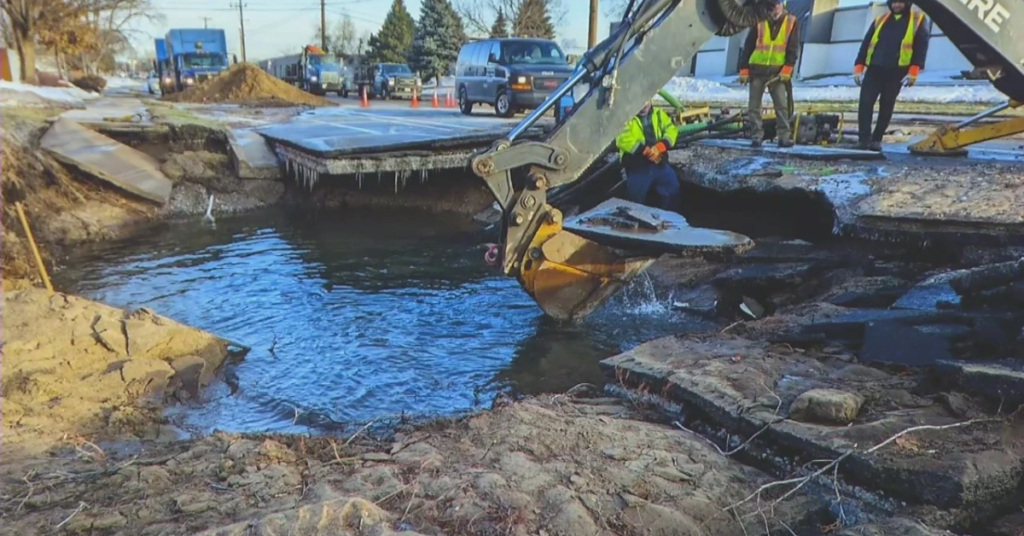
(196, 55)
(162, 68)
(317, 74)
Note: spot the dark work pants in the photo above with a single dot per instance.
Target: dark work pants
(655, 182)
(882, 85)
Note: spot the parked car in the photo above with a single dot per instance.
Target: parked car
(153, 83)
(511, 74)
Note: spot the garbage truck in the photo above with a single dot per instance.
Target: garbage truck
(196, 55)
(313, 70)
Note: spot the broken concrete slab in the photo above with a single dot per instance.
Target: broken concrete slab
(895, 343)
(733, 388)
(851, 325)
(252, 156)
(807, 152)
(869, 292)
(999, 381)
(932, 294)
(106, 159)
(111, 112)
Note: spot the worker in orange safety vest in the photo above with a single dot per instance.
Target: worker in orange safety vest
(770, 54)
(891, 56)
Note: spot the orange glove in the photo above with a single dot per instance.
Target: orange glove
(858, 73)
(787, 73)
(744, 77)
(911, 78)
(658, 152)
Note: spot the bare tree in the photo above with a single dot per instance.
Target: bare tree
(113, 20)
(346, 36)
(479, 15)
(24, 17)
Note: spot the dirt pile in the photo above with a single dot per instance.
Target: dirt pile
(77, 368)
(544, 466)
(247, 84)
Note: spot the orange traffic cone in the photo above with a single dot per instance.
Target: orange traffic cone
(415, 99)
(451, 100)
(435, 103)
(365, 101)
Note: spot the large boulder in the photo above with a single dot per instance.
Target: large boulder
(827, 406)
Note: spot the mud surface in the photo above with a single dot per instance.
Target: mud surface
(249, 85)
(544, 466)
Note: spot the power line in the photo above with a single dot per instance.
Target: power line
(206, 22)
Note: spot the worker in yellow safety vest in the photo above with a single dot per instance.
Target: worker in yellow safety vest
(893, 54)
(770, 54)
(643, 152)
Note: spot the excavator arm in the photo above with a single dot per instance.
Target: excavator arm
(990, 34)
(571, 268)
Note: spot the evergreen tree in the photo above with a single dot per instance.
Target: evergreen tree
(500, 27)
(533, 20)
(439, 36)
(394, 40)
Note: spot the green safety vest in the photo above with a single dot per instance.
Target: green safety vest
(906, 47)
(772, 52)
(632, 137)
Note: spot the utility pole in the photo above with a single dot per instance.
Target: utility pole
(592, 37)
(323, 25)
(241, 27)
(206, 22)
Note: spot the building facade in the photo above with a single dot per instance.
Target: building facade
(831, 37)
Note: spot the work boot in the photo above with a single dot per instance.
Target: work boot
(875, 146)
(755, 143)
(863, 146)
(786, 142)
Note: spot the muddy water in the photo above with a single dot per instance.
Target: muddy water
(353, 317)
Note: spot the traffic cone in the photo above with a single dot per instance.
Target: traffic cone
(365, 102)
(415, 99)
(451, 100)
(435, 103)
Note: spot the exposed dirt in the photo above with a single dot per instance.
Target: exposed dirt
(75, 368)
(63, 209)
(543, 466)
(247, 84)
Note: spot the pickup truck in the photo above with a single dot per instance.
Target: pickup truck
(386, 80)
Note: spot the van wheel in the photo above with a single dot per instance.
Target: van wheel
(503, 105)
(465, 106)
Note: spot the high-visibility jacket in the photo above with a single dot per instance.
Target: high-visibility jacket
(907, 46)
(772, 52)
(633, 137)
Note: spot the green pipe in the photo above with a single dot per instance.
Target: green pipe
(671, 100)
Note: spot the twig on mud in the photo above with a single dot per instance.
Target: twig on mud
(361, 430)
(787, 527)
(28, 495)
(927, 427)
(409, 505)
(572, 391)
(81, 506)
(337, 457)
(741, 445)
(730, 326)
(839, 497)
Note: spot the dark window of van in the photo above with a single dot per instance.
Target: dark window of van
(533, 53)
(480, 58)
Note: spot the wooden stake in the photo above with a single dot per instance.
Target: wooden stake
(32, 243)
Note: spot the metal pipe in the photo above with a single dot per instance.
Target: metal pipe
(546, 105)
(987, 113)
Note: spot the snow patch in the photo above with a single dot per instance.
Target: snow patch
(840, 89)
(17, 93)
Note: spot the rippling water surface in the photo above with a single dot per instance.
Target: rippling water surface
(356, 316)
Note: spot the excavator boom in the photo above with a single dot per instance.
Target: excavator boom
(570, 268)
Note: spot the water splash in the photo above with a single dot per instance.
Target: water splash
(639, 298)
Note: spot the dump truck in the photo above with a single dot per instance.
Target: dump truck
(196, 55)
(386, 80)
(313, 70)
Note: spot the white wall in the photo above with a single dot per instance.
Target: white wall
(718, 57)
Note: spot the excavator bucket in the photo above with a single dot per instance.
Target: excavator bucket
(575, 267)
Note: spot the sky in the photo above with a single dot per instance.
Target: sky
(279, 27)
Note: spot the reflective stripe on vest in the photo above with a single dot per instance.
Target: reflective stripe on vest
(906, 47)
(772, 52)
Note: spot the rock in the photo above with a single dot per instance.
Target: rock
(959, 405)
(701, 301)
(830, 406)
(110, 520)
(109, 333)
(146, 380)
(671, 474)
(1001, 381)
(376, 457)
(893, 527)
(852, 324)
(870, 292)
(566, 514)
(860, 373)
(155, 478)
(190, 375)
(760, 280)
